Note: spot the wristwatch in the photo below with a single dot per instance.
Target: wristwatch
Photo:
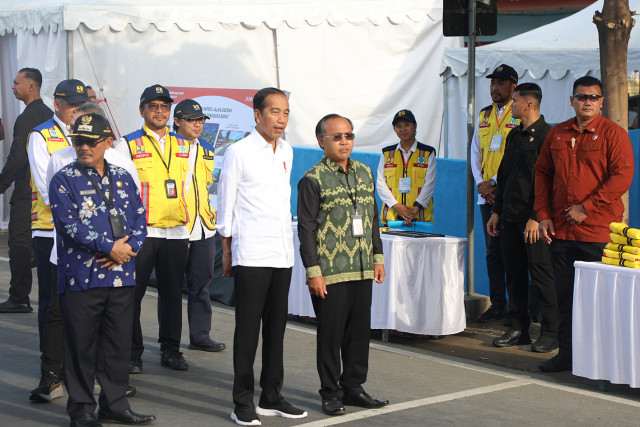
(492, 182)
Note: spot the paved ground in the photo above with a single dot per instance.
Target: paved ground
(457, 380)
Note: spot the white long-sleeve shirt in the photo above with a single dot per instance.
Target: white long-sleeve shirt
(63, 157)
(426, 192)
(476, 156)
(254, 206)
(39, 156)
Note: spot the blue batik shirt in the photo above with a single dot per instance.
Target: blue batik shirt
(83, 229)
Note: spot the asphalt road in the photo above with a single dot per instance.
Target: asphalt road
(457, 380)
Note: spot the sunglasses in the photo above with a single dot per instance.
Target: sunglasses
(155, 107)
(582, 97)
(92, 143)
(201, 120)
(338, 137)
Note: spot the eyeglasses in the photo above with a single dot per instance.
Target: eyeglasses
(92, 143)
(154, 107)
(582, 97)
(338, 137)
(201, 120)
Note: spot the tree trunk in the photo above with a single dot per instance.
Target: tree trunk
(614, 29)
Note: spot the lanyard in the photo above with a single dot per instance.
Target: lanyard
(347, 187)
(504, 115)
(109, 200)
(166, 165)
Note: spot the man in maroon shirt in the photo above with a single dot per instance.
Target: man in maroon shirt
(585, 166)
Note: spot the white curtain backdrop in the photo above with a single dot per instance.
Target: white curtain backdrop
(364, 72)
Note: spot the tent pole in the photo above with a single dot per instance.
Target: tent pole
(69, 54)
(471, 101)
(275, 53)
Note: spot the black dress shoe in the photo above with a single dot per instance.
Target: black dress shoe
(207, 344)
(555, 364)
(544, 345)
(125, 417)
(11, 307)
(512, 337)
(173, 359)
(363, 400)
(85, 420)
(333, 406)
(492, 312)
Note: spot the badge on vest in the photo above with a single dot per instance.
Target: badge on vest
(496, 142)
(54, 133)
(513, 123)
(183, 155)
(404, 185)
(141, 155)
(170, 189)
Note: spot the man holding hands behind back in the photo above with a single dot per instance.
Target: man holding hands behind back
(341, 249)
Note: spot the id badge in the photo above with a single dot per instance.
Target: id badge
(170, 189)
(496, 142)
(404, 185)
(117, 226)
(357, 225)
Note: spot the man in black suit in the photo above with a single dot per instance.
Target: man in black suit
(26, 88)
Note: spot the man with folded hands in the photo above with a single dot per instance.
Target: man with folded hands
(585, 166)
(341, 249)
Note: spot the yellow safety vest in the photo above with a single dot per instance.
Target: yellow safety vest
(416, 169)
(55, 140)
(488, 126)
(198, 202)
(155, 169)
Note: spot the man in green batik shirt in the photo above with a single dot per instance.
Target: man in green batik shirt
(341, 250)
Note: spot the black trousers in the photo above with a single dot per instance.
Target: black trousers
(169, 257)
(21, 254)
(563, 254)
(262, 294)
(51, 358)
(522, 260)
(42, 248)
(199, 276)
(83, 313)
(344, 328)
(495, 267)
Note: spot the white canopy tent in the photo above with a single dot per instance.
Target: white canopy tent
(364, 59)
(553, 56)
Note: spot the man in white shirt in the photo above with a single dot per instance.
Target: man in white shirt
(44, 140)
(487, 148)
(161, 158)
(188, 122)
(254, 222)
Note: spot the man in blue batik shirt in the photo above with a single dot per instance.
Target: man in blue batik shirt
(100, 225)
